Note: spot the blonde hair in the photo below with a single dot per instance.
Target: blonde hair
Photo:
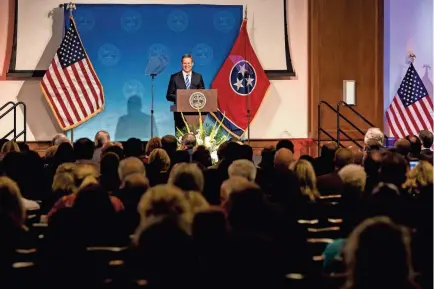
(306, 177)
(153, 143)
(130, 165)
(197, 202)
(420, 176)
(160, 203)
(85, 174)
(187, 176)
(359, 240)
(10, 201)
(64, 179)
(160, 160)
(10, 146)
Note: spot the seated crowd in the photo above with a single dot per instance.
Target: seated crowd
(172, 219)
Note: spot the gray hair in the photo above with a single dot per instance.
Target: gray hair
(376, 134)
(354, 176)
(243, 168)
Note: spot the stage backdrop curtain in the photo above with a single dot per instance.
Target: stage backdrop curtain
(128, 42)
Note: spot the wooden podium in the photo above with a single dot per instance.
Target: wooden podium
(188, 101)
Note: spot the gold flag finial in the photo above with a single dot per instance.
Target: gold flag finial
(245, 12)
(71, 7)
(412, 56)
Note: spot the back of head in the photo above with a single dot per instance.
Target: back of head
(129, 166)
(372, 163)
(377, 255)
(58, 139)
(283, 158)
(133, 147)
(10, 202)
(64, 154)
(415, 145)
(402, 146)
(245, 208)
(305, 174)
(246, 152)
(426, 137)
(153, 143)
(101, 138)
(164, 202)
(180, 156)
(343, 157)
(159, 160)
(109, 172)
(353, 176)
(112, 147)
(64, 180)
(83, 149)
(85, 174)
(393, 169)
(197, 202)
(203, 156)
(10, 146)
(233, 184)
(135, 182)
(188, 140)
(285, 143)
(170, 144)
(221, 151)
(187, 177)
(243, 168)
(328, 150)
(419, 178)
(374, 133)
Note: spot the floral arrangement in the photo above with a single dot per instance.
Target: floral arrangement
(207, 135)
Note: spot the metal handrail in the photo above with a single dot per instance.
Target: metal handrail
(320, 129)
(14, 109)
(339, 116)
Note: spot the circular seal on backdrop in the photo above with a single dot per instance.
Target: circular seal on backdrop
(202, 54)
(133, 87)
(242, 77)
(84, 19)
(109, 54)
(177, 20)
(224, 21)
(197, 100)
(131, 21)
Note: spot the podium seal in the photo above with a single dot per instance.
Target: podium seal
(197, 100)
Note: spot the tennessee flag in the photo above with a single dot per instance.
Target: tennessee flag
(239, 81)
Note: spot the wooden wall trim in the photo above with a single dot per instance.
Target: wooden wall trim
(9, 39)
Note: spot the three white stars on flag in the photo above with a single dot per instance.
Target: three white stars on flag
(239, 83)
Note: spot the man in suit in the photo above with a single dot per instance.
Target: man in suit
(184, 79)
(426, 137)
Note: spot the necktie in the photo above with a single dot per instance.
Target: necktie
(187, 81)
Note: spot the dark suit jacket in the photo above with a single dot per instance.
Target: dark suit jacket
(177, 82)
(330, 184)
(426, 154)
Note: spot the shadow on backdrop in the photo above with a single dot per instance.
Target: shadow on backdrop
(135, 123)
(40, 119)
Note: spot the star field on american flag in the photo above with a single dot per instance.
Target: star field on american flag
(70, 84)
(412, 88)
(71, 49)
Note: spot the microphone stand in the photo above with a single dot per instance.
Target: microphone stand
(152, 103)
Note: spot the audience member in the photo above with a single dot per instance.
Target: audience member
(102, 137)
(426, 137)
(109, 178)
(243, 168)
(187, 177)
(377, 255)
(133, 148)
(285, 143)
(158, 167)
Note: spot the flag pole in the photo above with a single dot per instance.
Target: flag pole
(248, 91)
(71, 7)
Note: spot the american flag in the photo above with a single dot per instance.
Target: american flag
(411, 109)
(70, 84)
